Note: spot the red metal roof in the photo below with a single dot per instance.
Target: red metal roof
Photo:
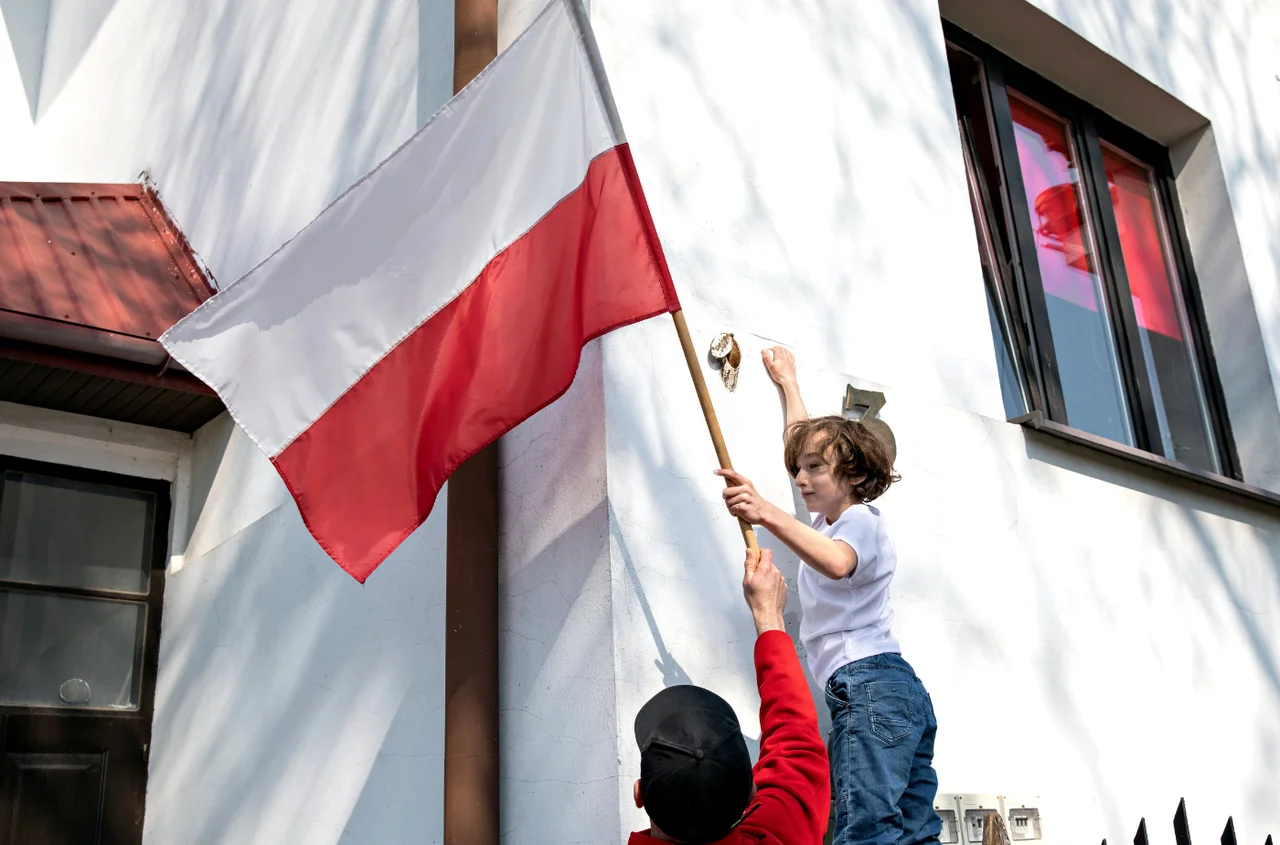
(105, 257)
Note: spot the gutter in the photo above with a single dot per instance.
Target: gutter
(26, 328)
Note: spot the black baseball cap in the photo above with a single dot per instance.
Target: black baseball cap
(695, 771)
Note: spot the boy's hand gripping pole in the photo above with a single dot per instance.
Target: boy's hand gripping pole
(709, 413)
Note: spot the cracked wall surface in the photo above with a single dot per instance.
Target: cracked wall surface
(559, 729)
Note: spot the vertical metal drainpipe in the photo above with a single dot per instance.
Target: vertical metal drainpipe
(471, 773)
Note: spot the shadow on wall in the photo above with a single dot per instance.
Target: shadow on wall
(763, 265)
(251, 117)
(1194, 506)
(71, 31)
(250, 129)
(1217, 567)
(729, 212)
(26, 22)
(1238, 43)
(254, 127)
(673, 673)
(558, 714)
(298, 705)
(49, 40)
(1116, 612)
(678, 554)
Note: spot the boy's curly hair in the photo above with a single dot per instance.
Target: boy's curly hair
(855, 448)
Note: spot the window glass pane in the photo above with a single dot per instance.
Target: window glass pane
(59, 651)
(988, 215)
(1180, 405)
(74, 534)
(1083, 342)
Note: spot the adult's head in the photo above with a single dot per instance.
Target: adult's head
(695, 772)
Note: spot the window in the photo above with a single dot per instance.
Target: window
(75, 565)
(1090, 291)
(81, 588)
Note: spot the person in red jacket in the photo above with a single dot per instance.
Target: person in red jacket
(696, 782)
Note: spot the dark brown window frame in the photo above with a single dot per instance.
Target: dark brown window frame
(1018, 298)
(153, 599)
(110, 746)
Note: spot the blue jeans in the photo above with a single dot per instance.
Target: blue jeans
(881, 747)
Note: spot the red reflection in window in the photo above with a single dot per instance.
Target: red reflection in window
(1049, 177)
(1141, 242)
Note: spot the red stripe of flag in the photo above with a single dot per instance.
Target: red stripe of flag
(368, 471)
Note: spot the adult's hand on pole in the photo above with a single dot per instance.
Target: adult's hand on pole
(743, 500)
(765, 590)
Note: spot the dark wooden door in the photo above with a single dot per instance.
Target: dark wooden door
(81, 584)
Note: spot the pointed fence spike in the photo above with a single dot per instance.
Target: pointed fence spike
(1181, 830)
(1268, 839)
(1229, 832)
(1141, 838)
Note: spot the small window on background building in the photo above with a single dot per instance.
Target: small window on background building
(1090, 309)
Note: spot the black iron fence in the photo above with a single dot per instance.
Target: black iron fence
(1182, 832)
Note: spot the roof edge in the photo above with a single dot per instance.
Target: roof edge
(175, 238)
(28, 328)
(69, 190)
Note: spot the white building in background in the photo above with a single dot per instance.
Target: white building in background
(1092, 596)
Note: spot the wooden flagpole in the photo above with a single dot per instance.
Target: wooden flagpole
(583, 22)
(709, 414)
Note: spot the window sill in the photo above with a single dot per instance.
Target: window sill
(1037, 422)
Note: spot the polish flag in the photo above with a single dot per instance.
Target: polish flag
(440, 301)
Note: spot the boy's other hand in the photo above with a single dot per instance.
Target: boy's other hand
(765, 590)
(781, 364)
(742, 499)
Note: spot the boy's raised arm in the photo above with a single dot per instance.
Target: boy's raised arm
(781, 364)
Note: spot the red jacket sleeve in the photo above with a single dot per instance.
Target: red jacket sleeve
(793, 777)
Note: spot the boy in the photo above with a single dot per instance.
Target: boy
(882, 721)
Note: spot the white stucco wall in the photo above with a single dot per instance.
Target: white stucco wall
(1091, 633)
(1100, 636)
(557, 645)
(250, 116)
(293, 705)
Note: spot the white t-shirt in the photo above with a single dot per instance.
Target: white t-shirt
(848, 619)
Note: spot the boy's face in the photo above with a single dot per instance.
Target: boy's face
(816, 480)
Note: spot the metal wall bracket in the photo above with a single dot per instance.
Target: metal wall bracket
(862, 404)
